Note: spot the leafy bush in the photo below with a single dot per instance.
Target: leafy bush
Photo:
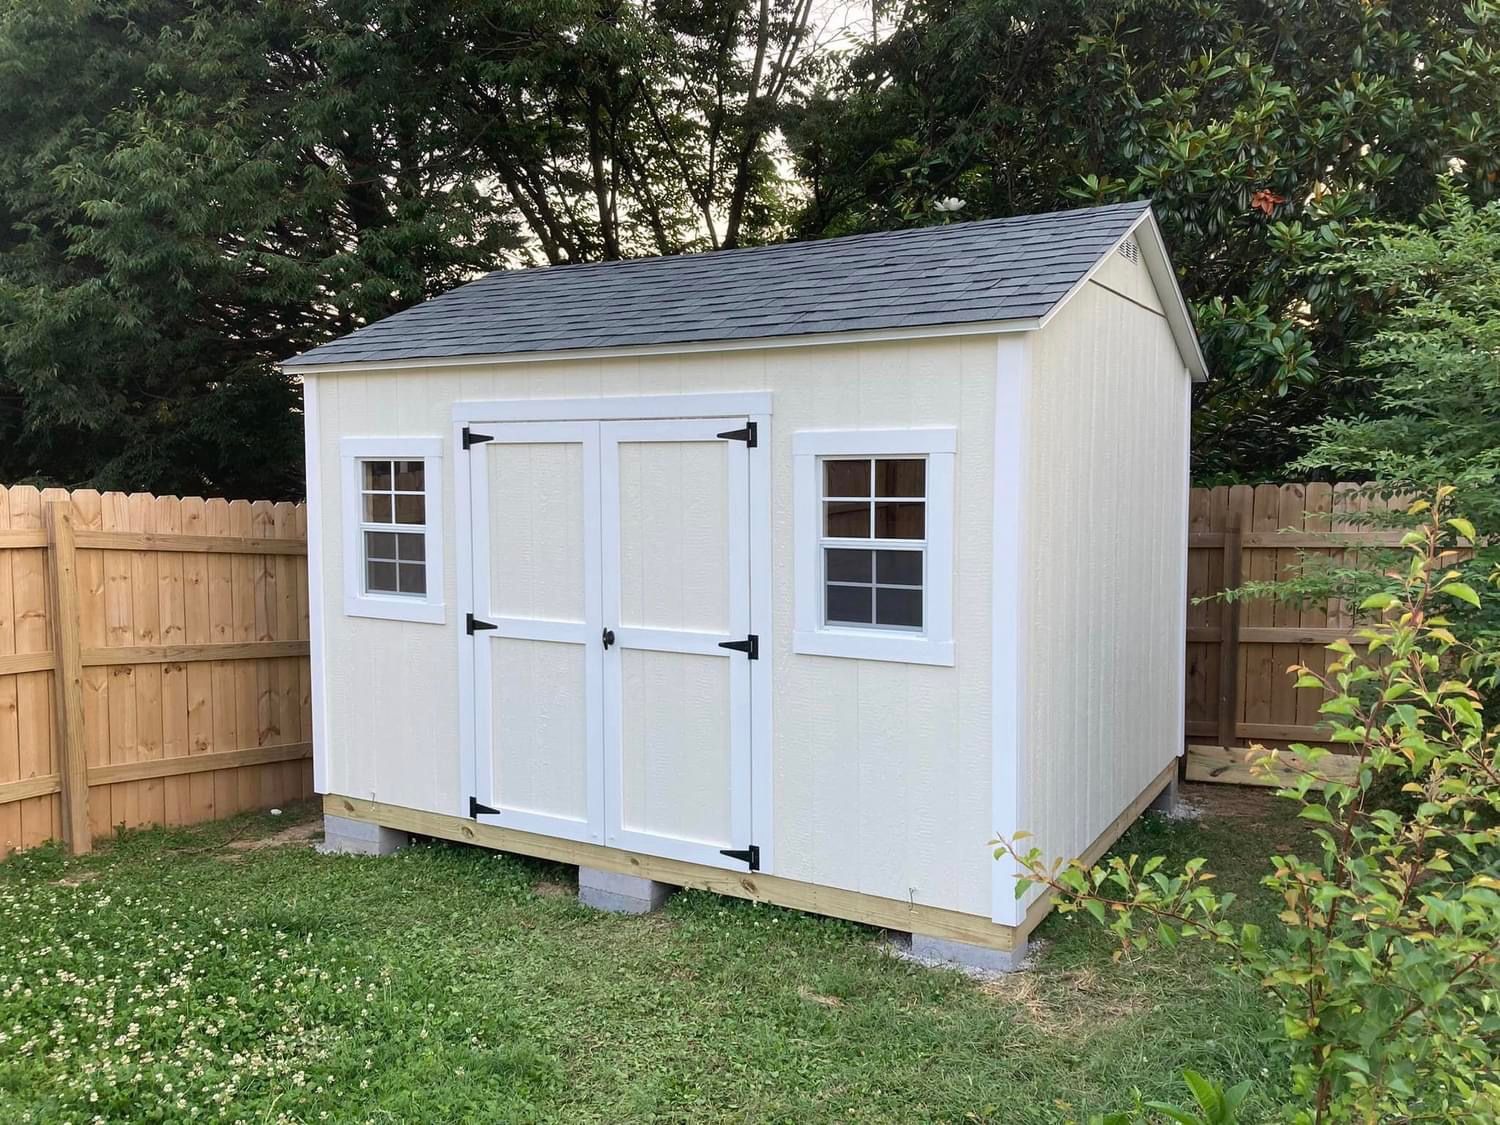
(1388, 978)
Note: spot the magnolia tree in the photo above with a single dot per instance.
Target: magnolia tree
(1387, 976)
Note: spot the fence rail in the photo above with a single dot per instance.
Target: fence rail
(153, 661)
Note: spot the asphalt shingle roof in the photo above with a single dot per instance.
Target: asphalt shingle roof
(960, 273)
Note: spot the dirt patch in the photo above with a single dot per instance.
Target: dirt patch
(1239, 801)
(546, 888)
(1063, 1003)
(818, 998)
(306, 834)
(76, 879)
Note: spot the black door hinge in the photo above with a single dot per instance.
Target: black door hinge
(471, 438)
(476, 809)
(749, 856)
(473, 625)
(747, 435)
(750, 646)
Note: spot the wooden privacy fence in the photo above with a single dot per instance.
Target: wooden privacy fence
(153, 661)
(1238, 689)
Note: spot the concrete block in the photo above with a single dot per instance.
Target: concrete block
(1166, 801)
(963, 955)
(620, 894)
(343, 836)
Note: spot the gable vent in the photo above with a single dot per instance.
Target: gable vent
(1130, 251)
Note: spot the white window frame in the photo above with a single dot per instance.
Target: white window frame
(428, 608)
(933, 643)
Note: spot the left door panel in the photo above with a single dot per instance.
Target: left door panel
(538, 673)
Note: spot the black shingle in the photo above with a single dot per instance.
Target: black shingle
(960, 273)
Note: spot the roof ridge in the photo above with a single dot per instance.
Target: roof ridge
(934, 230)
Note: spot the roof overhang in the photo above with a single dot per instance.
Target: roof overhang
(1158, 263)
(692, 347)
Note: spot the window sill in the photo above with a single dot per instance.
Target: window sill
(395, 609)
(871, 644)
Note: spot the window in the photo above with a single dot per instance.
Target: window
(874, 540)
(874, 544)
(392, 529)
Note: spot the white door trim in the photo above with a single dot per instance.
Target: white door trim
(630, 408)
(757, 405)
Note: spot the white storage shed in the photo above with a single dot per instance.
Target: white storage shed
(795, 573)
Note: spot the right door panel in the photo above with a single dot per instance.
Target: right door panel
(675, 499)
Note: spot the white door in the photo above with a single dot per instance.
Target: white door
(534, 488)
(676, 532)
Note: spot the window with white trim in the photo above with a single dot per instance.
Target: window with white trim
(874, 550)
(392, 528)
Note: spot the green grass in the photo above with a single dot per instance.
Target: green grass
(169, 976)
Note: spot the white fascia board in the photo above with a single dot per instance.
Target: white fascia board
(1159, 265)
(695, 347)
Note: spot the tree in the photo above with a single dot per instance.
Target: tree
(191, 190)
(1259, 131)
(1432, 363)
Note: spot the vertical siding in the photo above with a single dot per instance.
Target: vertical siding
(1106, 529)
(881, 772)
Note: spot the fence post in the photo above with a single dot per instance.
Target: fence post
(1229, 635)
(62, 581)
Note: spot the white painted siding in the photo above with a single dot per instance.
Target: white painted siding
(881, 771)
(1105, 528)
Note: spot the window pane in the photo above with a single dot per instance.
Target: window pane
(898, 607)
(413, 548)
(900, 478)
(900, 521)
(846, 478)
(409, 476)
(900, 568)
(380, 545)
(413, 578)
(380, 577)
(411, 509)
(377, 508)
(849, 604)
(377, 474)
(848, 521)
(848, 566)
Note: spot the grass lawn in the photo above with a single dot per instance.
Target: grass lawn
(232, 972)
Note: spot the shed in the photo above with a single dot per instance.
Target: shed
(796, 573)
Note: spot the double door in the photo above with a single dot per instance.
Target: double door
(612, 639)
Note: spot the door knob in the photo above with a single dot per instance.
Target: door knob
(609, 637)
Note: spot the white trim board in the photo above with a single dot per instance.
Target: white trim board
(689, 347)
(1013, 371)
(317, 641)
(734, 404)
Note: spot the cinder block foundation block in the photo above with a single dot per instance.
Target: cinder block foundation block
(963, 955)
(343, 836)
(620, 894)
(1166, 801)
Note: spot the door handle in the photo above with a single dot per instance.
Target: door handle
(609, 637)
